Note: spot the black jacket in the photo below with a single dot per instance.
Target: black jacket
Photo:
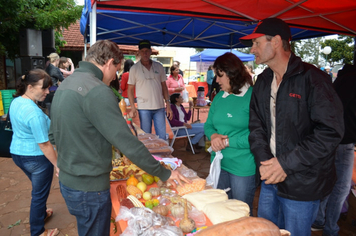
(55, 74)
(309, 126)
(345, 87)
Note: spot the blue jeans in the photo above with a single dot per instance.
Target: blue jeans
(197, 129)
(159, 120)
(242, 187)
(330, 206)
(294, 216)
(40, 171)
(91, 209)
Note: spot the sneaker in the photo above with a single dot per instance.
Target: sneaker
(316, 227)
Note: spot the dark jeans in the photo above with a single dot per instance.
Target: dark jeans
(294, 216)
(242, 187)
(91, 209)
(40, 171)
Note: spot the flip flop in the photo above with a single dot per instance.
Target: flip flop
(49, 213)
(50, 232)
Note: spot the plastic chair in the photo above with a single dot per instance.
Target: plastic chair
(175, 134)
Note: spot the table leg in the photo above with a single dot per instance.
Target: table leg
(193, 115)
(198, 115)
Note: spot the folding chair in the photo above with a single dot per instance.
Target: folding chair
(175, 134)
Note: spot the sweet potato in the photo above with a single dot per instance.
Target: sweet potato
(246, 226)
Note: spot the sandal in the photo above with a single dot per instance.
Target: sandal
(49, 213)
(50, 232)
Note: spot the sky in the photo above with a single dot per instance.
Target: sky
(80, 2)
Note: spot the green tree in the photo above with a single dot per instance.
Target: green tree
(34, 14)
(341, 50)
(308, 49)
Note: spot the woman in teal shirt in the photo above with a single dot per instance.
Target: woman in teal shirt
(227, 128)
(30, 147)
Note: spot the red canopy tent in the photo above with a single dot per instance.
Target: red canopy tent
(211, 23)
(331, 16)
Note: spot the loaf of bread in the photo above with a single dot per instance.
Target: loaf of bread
(245, 226)
(200, 199)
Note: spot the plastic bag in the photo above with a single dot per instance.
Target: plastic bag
(145, 222)
(185, 95)
(215, 168)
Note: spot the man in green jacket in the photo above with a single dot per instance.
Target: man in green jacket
(86, 122)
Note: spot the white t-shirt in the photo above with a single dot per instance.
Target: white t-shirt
(274, 90)
(148, 85)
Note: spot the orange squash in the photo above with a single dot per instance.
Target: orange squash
(132, 181)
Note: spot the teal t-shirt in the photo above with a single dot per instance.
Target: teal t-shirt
(230, 116)
(30, 126)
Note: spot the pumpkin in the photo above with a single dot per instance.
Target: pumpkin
(161, 209)
(154, 191)
(132, 181)
(244, 226)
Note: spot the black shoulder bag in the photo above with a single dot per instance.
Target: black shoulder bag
(5, 136)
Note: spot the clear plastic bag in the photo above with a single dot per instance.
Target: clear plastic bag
(185, 95)
(144, 222)
(215, 168)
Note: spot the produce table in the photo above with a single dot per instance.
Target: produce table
(122, 225)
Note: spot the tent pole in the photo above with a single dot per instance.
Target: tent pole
(93, 25)
(354, 50)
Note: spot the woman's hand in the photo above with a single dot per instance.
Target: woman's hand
(179, 89)
(190, 104)
(189, 126)
(218, 142)
(177, 177)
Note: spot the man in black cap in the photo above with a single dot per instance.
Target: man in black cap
(151, 90)
(296, 124)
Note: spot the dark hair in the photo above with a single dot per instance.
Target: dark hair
(210, 67)
(128, 64)
(62, 60)
(31, 78)
(234, 69)
(174, 97)
(173, 67)
(104, 50)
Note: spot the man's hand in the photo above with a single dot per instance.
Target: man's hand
(272, 171)
(57, 171)
(169, 111)
(133, 112)
(218, 142)
(176, 176)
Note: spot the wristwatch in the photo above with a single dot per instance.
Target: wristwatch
(168, 101)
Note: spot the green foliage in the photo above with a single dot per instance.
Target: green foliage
(34, 14)
(341, 50)
(308, 49)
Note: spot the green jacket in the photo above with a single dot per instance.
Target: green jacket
(230, 116)
(86, 122)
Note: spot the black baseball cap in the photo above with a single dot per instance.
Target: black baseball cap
(144, 44)
(269, 26)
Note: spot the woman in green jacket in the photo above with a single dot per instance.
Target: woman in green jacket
(227, 128)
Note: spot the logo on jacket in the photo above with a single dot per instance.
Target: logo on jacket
(229, 115)
(294, 95)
